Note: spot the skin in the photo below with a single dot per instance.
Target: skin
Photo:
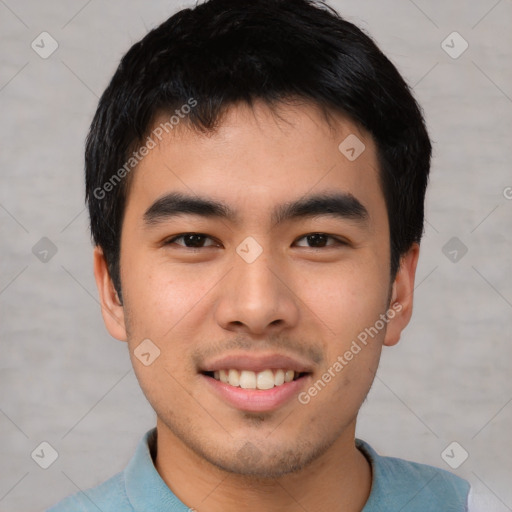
(297, 299)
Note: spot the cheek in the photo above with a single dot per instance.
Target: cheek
(347, 297)
(161, 296)
(159, 300)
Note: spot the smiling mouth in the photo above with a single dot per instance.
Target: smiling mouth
(263, 380)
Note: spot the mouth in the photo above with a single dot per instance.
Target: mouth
(256, 383)
(248, 379)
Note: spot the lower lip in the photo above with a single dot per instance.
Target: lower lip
(256, 400)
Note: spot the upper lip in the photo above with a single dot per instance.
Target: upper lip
(257, 363)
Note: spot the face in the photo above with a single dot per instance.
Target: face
(257, 255)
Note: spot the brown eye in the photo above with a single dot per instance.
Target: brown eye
(319, 240)
(191, 240)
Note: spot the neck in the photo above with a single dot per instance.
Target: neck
(338, 480)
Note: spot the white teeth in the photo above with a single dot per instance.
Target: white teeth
(247, 379)
(265, 380)
(234, 378)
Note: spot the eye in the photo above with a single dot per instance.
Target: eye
(191, 240)
(319, 240)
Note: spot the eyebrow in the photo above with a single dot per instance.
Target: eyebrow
(339, 205)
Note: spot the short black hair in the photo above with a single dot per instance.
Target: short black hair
(223, 52)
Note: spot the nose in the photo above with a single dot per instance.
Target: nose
(257, 298)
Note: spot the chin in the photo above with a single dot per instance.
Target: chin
(263, 462)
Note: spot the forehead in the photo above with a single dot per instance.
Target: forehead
(260, 156)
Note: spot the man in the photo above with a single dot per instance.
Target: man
(255, 176)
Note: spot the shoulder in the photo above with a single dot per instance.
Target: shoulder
(110, 496)
(415, 486)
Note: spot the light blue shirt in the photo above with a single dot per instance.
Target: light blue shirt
(397, 485)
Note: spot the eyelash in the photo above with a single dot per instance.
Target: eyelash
(338, 242)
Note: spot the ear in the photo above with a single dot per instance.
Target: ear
(111, 308)
(402, 296)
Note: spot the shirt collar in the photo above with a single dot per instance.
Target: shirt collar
(145, 488)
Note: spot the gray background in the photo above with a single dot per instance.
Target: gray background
(65, 381)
